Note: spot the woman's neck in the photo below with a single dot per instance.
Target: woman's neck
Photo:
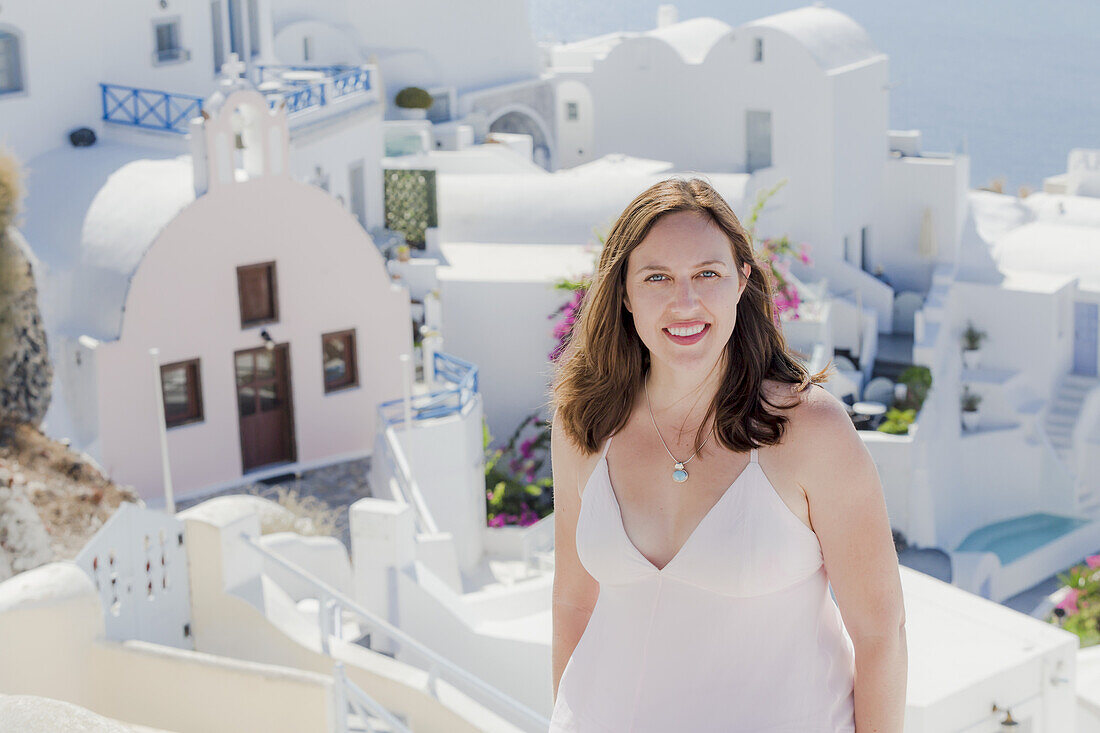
(680, 399)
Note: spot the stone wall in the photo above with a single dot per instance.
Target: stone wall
(25, 369)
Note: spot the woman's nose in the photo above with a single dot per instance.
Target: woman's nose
(686, 294)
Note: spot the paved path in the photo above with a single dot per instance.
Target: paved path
(338, 486)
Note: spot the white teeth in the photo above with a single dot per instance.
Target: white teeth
(686, 331)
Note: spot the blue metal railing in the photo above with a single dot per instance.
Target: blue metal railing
(148, 108)
(260, 70)
(440, 403)
(339, 81)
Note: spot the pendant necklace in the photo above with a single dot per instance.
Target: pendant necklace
(679, 474)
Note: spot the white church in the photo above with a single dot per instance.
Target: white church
(251, 167)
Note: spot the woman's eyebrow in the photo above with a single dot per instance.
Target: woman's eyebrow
(662, 267)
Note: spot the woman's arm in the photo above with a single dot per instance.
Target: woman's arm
(848, 513)
(575, 591)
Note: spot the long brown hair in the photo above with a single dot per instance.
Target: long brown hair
(601, 371)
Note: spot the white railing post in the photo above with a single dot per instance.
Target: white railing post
(324, 621)
(406, 384)
(339, 699)
(162, 430)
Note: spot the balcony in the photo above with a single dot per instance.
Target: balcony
(302, 89)
(148, 108)
(306, 88)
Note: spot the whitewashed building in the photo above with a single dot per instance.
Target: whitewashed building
(277, 325)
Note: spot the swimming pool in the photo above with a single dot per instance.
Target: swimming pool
(1016, 537)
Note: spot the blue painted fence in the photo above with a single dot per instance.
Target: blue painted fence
(459, 373)
(149, 108)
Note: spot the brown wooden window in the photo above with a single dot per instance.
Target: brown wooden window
(259, 296)
(338, 360)
(182, 393)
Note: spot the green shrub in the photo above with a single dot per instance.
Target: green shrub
(413, 98)
(918, 380)
(897, 421)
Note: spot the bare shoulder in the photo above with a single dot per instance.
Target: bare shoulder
(565, 455)
(570, 462)
(822, 436)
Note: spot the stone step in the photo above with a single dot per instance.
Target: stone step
(1081, 381)
(1070, 405)
(1070, 393)
(1059, 430)
(1060, 419)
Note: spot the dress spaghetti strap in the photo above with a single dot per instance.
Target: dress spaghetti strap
(752, 456)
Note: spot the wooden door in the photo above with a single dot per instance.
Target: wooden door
(264, 406)
(1086, 326)
(758, 139)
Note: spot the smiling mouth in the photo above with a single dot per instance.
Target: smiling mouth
(686, 332)
(690, 338)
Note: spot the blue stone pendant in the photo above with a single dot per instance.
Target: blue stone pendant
(679, 475)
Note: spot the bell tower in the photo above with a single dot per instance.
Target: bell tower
(238, 137)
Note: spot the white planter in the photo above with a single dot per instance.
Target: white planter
(412, 113)
(971, 358)
(971, 419)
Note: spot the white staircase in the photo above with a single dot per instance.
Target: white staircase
(1061, 418)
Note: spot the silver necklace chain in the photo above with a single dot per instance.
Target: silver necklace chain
(679, 474)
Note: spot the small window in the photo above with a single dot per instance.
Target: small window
(11, 72)
(307, 48)
(167, 35)
(758, 49)
(182, 393)
(571, 110)
(217, 35)
(254, 27)
(338, 359)
(257, 289)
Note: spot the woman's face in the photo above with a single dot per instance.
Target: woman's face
(683, 277)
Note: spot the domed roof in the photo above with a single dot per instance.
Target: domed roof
(91, 214)
(831, 37)
(691, 38)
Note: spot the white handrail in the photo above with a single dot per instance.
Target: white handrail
(334, 599)
(347, 693)
(406, 482)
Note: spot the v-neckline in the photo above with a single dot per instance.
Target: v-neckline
(691, 535)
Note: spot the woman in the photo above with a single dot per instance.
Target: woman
(684, 602)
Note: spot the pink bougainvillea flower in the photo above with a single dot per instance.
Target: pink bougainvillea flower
(1069, 603)
(1093, 561)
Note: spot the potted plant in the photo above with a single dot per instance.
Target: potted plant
(897, 421)
(413, 103)
(972, 345)
(402, 251)
(970, 402)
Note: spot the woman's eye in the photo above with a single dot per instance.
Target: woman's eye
(650, 278)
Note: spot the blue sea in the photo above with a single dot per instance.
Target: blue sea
(1016, 82)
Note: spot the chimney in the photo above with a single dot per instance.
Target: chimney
(667, 15)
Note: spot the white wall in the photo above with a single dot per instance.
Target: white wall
(60, 62)
(334, 147)
(447, 462)
(509, 344)
(575, 137)
(909, 185)
(860, 109)
(183, 300)
(470, 45)
(51, 629)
